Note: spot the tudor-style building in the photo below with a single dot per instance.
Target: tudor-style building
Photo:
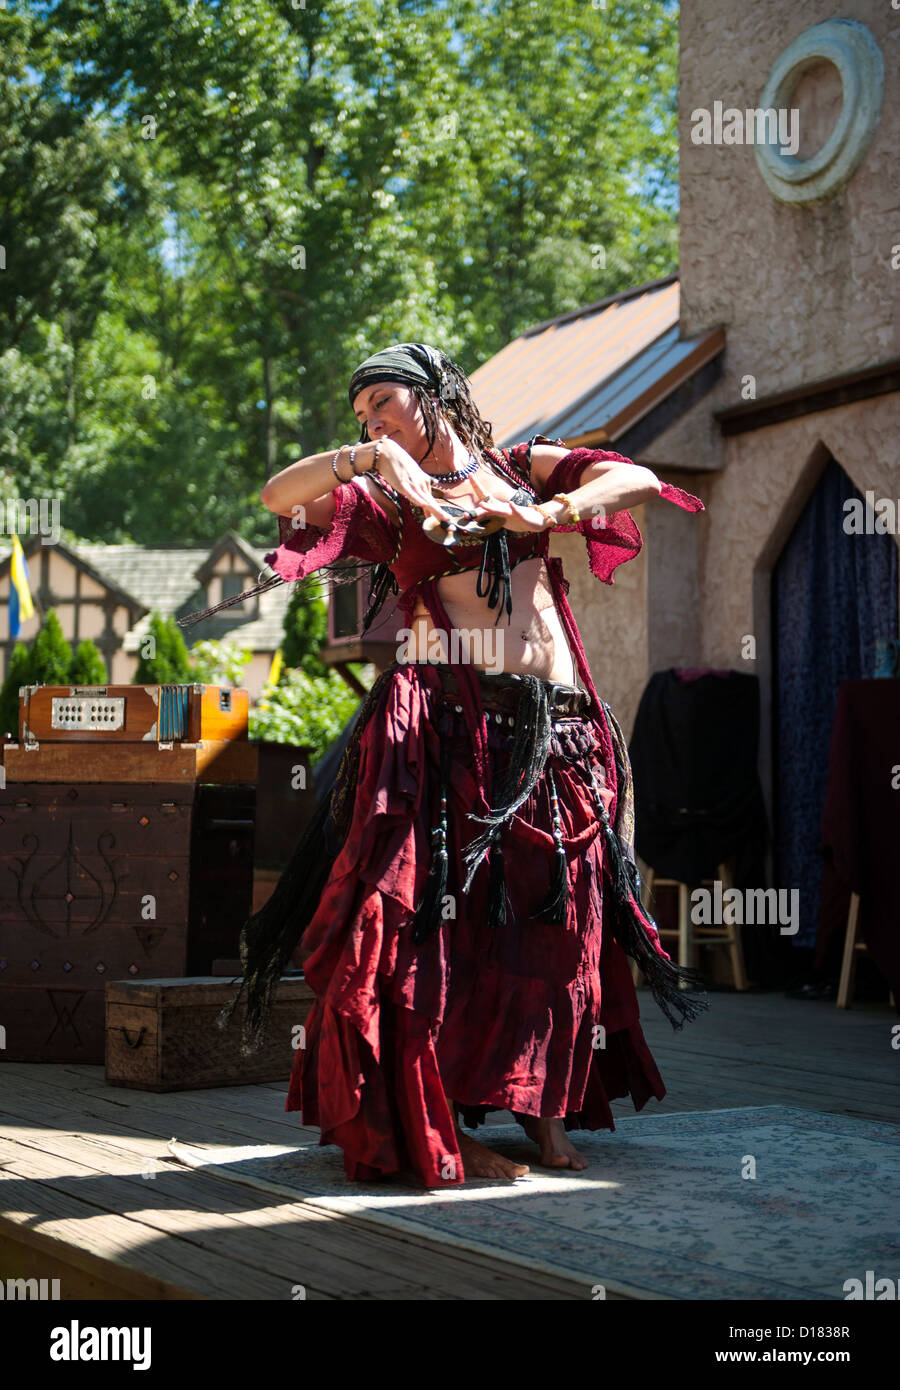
(107, 593)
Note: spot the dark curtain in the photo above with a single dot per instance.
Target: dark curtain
(833, 596)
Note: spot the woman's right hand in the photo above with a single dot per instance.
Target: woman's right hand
(401, 470)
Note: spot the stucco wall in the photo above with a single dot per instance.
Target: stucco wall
(612, 620)
(756, 501)
(806, 292)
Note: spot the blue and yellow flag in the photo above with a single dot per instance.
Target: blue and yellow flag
(20, 605)
(272, 681)
(276, 667)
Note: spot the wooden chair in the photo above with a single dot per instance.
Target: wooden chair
(852, 945)
(690, 936)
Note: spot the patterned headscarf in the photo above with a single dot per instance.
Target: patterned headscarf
(415, 364)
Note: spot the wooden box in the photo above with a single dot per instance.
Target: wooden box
(212, 760)
(131, 713)
(161, 1035)
(117, 881)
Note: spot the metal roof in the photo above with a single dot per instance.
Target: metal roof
(590, 374)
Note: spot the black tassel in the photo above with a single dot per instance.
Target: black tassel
(268, 936)
(495, 569)
(191, 619)
(555, 907)
(670, 984)
(428, 912)
(528, 754)
(497, 895)
(383, 582)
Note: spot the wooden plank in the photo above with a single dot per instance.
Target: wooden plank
(123, 1242)
(788, 1080)
(242, 1264)
(753, 1050)
(344, 1254)
(194, 1120)
(31, 1254)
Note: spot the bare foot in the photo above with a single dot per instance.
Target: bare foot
(557, 1150)
(481, 1162)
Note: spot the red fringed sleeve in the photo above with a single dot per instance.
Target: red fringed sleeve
(614, 538)
(359, 528)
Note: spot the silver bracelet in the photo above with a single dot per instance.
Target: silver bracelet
(334, 464)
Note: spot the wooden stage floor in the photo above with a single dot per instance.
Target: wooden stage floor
(74, 1204)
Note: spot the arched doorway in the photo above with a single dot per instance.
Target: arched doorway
(833, 595)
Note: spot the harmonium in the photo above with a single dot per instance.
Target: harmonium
(127, 817)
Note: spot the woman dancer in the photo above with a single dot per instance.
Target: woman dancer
(467, 893)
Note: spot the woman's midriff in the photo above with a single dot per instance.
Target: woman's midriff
(532, 642)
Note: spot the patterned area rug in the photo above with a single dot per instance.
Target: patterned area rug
(770, 1202)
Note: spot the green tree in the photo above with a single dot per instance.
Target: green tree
(219, 662)
(51, 655)
(319, 180)
(18, 673)
(305, 633)
(167, 661)
(88, 666)
(70, 184)
(305, 710)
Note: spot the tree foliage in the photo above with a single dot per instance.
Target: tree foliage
(18, 673)
(163, 658)
(305, 632)
(305, 710)
(212, 211)
(88, 666)
(47, 661)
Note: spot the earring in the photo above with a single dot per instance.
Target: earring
(449, 389)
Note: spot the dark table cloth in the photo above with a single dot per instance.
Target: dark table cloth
(698, 797)
(861, 823)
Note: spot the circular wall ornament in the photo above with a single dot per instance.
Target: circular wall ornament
(850, 46)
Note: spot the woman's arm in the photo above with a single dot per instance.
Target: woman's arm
(607, 485)
(307, 486)
(618, 488)
(310, 483)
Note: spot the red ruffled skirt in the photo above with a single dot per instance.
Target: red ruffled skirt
(528, 1017)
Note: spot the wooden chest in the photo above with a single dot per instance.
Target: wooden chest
(210, 760)
(161, 1035)
(105, 882)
